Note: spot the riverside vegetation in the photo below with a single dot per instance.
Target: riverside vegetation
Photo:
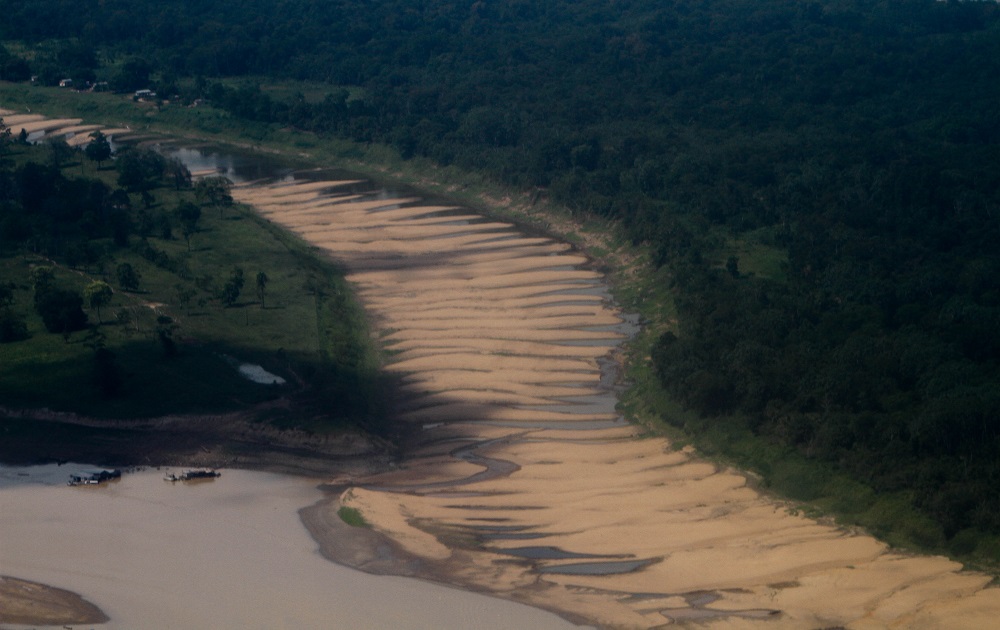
(128, 292)
(816, 186)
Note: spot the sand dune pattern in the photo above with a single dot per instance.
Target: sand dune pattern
(71, 130)
(525, 482)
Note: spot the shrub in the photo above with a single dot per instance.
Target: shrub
(61, 311)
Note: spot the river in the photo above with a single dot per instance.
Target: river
(521, 479)
(230, 553)
(225, 553)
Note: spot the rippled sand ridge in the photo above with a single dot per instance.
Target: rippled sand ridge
(525, 481)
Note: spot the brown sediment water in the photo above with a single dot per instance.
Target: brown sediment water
(224, 553)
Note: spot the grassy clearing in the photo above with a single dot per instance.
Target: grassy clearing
(758, 259)
(310, 331)
(352, 516)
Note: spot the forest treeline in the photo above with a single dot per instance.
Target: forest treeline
(857, 138)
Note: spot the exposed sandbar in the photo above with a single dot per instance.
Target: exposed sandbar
(490, 331)
(30, 603)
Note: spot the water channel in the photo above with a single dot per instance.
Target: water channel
(226, 553)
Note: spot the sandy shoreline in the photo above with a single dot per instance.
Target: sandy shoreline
(522, 481)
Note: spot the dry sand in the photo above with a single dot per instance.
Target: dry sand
(498, 337)
(58, 127)
(45, 125)
(76, 130)
(12, 119)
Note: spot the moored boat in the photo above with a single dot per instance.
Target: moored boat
(188, 475)
(94, 478)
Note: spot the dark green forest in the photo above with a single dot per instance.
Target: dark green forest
(859, 140)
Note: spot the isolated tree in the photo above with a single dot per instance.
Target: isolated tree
(261, 286)
(189, 214)
(98, 293)
(184, 294)
(233, 287)
(128, 277)
(99, 149)
(61, 311)
(214, 191)
(4, 133)
(139, 169)
(59, 152)
(178, 173)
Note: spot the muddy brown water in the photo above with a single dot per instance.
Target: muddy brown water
(227, 553)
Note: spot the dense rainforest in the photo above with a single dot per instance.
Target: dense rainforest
(854, 144)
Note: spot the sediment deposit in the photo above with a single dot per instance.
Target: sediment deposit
(524, 481)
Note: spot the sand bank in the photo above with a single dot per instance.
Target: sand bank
(523, 483)
(46, 125)
(29, 603)
(70, 129)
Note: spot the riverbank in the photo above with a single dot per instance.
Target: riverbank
(240, 439)
(233, 440)
(514, 484)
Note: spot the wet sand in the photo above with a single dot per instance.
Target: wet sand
(522, 480)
